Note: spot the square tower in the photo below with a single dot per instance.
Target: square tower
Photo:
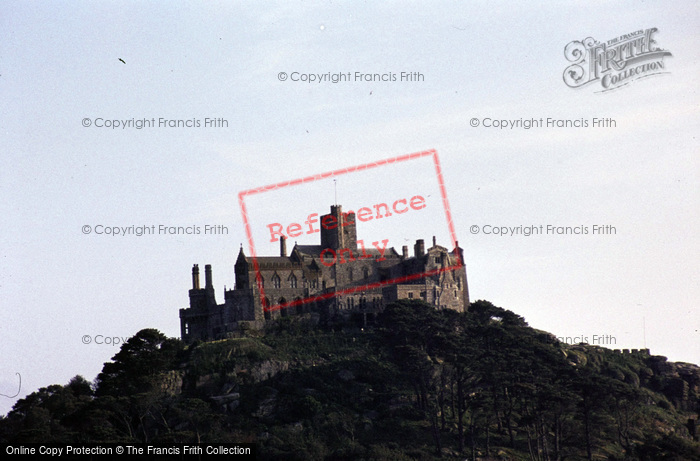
(338, 229)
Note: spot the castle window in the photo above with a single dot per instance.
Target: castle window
(276, 282)
(410, 295)
(350, 274)
(283, 308)
(437, 259)
(365, 273)
(266, 306)
(422, 294)
(187, 328)
(292, 281)
(314, 284)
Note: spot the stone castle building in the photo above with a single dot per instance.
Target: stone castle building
(333, 280)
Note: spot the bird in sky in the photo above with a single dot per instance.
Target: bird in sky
(122, 60)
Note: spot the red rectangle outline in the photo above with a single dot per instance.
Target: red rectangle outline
(342, 171)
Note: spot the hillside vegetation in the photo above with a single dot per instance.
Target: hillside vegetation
(420, 384)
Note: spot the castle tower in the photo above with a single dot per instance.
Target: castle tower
(338, 229)
(458, 254)
(419, 248)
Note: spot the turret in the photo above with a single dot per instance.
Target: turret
(242, 271)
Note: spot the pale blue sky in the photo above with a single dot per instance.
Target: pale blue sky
(59, 63)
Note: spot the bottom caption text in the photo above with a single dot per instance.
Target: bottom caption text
(130, 451)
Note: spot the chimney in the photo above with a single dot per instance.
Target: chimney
(405, 252)
(283, 246)
(434, 241)
(195, 277)
(207, 277)
(419, 248)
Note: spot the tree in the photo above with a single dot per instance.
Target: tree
(47, 414)
(417, 334)
(139, 364)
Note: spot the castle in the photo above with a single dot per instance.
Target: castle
(332, 280)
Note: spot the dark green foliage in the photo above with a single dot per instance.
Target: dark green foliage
(422, 384)
(138, 365)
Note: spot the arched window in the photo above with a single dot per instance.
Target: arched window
(292, 281)
(266, 306)
(276, 282)
(283, 308)
(365, 273)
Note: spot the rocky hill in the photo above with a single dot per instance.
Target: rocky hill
(420, 384)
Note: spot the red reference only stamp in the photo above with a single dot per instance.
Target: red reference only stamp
(344, 274)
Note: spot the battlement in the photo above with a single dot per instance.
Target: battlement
(633, 351)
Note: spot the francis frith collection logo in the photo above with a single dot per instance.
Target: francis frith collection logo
(616, 62)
